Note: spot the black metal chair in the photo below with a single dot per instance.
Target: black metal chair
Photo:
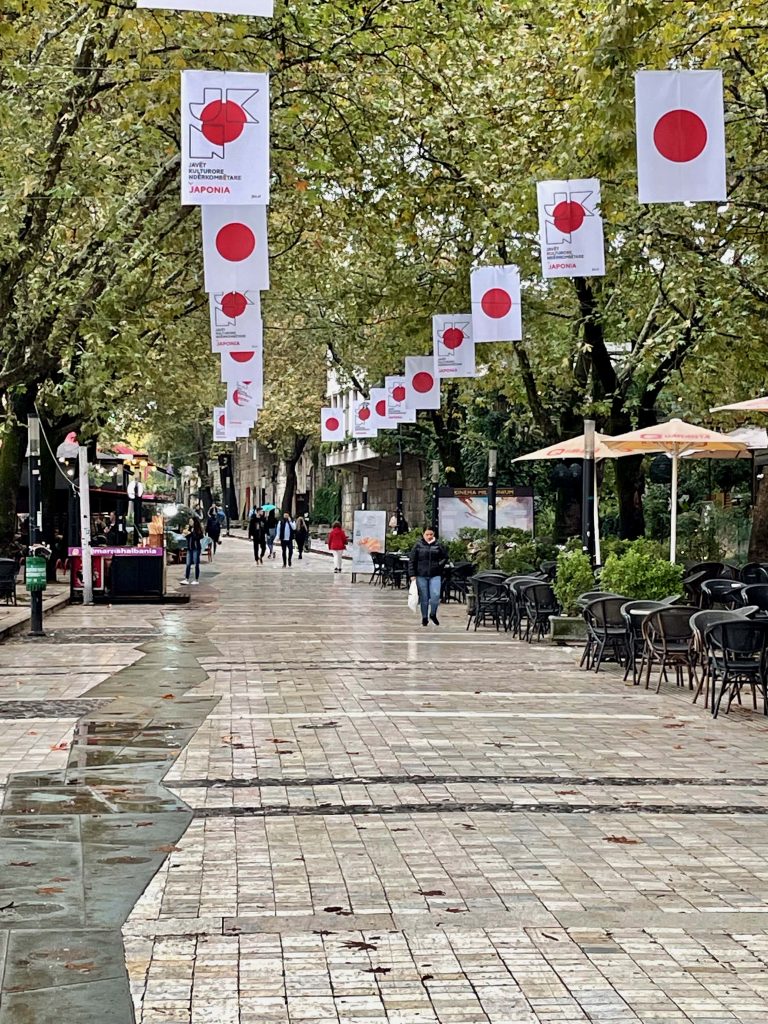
(633, 613)
(395, 570)
(377, 576)
(516, 609)
(757, 593)
(753, 572)
(490, 602)
(669, 641)
(712, 569)
(8, 574)
(720, 593)
(540, 602)
(739, 649)
(606, 629)
(456, 582)
(549, 571)
(592, 595)
(700, 622)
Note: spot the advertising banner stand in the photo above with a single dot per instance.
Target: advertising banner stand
(369, 536)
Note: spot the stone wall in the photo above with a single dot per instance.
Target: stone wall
(254, 464)
(382, 489)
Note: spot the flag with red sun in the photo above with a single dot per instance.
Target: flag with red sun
(496, 314)
(235, 255)
(220, 432)
(397, 409)
(251, 8)
(332, 425)
(224, 138)
(422, 384)
(363, 419)
(571, 228)
(454, 345)
(244, 400)
(237, 364)
(379, 409)
(235, 320)
(680, 136)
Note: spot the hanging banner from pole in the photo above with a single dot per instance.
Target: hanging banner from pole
(680, 136)
(332, 424)
(369, 537)
(397, 410)
(251, 8)
(237, 364)
(244, 399)
(571, 228)
(224, 138)
(379, 409)
(235, 253)
(220, 432)
(454, 345)
(422, 385)
(235, 321)
(496, 306)
(362, 419)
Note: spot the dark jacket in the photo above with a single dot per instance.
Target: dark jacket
(285, 530)
(213, 527)
(257, 528)
(427, 559)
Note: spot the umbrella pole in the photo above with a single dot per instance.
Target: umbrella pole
(596, 511)
(673, 530)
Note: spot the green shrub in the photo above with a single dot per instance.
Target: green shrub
(403, 542)
(574, 577)
(327, 504)
(640, 575)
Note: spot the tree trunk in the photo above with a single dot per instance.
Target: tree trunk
(206, 494)
(630, 486)
(758, 538)
(290, 473)
(13, 447)
(567, 510)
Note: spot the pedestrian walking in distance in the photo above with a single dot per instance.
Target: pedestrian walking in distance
(194, 535)
(302, 535)
(271, 531)
(286, 529)
(337, 542)
(427, 562)
(213, 529)
(257, 531)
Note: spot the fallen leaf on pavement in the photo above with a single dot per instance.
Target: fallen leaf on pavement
(165, 848)
(60, 746)
(82, 965)
(169, 696)
(48, 890)
(354, 944)
(623, 840)
(430, 892)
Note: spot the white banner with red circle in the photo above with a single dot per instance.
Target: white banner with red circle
(237, 364)
(244, 399)
(454, 345)
(220, 432)
(363, 424)
(571, 228)
(332, 424)
(235, 253)
(397, 409)
(251, 8)
(379, 409)
(422, 383)
(680, 136)
(496, 312)
(235, 320)
(224, 138)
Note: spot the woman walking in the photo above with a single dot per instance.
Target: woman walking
(194, 535)
(337, 542)
(427, 561)
(271, 531)
(213, 530)
(301, 535)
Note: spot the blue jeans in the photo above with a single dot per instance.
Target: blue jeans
(193, 558)
(429, 594)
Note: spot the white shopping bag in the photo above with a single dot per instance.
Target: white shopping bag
(413, 596)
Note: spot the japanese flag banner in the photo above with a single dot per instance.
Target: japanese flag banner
(571, 228)
(379, 409)
(220, 432)
(224, 138)
(422, 384)
(332, 424)
(252, 8)
(397, 410)
(239, 363)
(496, 312)
(235, 254)
(454, 345)
(362, 419)
(680, 136)
(235, 320)
(244, 399)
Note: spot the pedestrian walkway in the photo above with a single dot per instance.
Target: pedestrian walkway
(362, 820)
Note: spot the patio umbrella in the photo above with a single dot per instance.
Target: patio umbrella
(573, 448)
(268, 508)
(751, 405)
(675, 438)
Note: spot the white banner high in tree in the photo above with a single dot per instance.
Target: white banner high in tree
(250, 8)
(680, 136)
(237, 364)
(397, 410)
(496, 314)
(454, 346)
(331, 424)
(571, 228)
(244, 399)
(362, 419)
(220, 432)
(224, 138)
(235, 252)
(235, 320)
(422, 384)
(379, 409)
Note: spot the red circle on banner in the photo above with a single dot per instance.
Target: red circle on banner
(363, 413)
(680, 136)
(222, 421)
(398, 393)
(453, 337)
(235, 242)
(332, 423)
(381, 407)
(242, 357)
(568, 217)
(222, 122)
(233, 304)
(496, 303)
(423, 382)
(238, 398)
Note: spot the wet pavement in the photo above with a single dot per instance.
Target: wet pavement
(288, 802)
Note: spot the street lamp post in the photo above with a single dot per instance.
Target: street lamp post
(492, 462)
(399, 498)
(35, 518)
(365, 494)
(263, 490)
(587, 494)
(436, 497)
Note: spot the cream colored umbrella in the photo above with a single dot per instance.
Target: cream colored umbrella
(751, 405)
(675, 438)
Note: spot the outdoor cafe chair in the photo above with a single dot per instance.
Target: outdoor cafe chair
(490, 602)
(549, 571)
(700, 622)
(633, 613)
(456, 582)
(721, 593)
(8, 580)
(712, 569)
(377, 576)
(739, 650)
(669, 641)
(606, 628)
(516, 608)
(592, 595)
(757, 593)
(753, 572)
(539, 602)
(395, 569)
